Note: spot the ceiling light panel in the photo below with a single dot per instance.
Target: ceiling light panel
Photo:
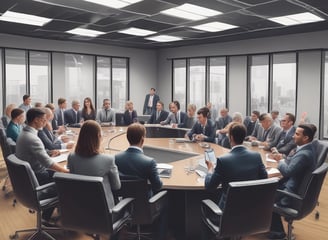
(191, 12)
(294, 19)
(137, 31)
(24, 18)
(114, 3)
(85, 32)
(214, 27)
(164, 38)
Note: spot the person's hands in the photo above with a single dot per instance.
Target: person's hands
(54, 153)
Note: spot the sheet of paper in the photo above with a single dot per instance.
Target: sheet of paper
(61, 158)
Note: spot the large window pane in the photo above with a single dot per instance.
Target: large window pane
(103, 79)
(1, 84)
(40, 76)
(120, 83)
(325, 112)
(284, 83)
(15, 76)
(259, 82)
(197, 76)
(179, 82)
(217, 84)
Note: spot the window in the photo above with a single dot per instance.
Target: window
(259, 83)
(325, 104)
(217, 85)
(284, 83)
(197, 82)
(179, 82)
(103, 80)
(40, 76)
(120, 83)
(15, 76)
(1, 84)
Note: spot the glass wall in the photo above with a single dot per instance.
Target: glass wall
(1, 85)
(103, 79)
(197, 82)
(284, 83)
(179, 82)
(120, 87)
(40, 77)
(217, 84)
(325, 98)
(259, 83)
(15, 76)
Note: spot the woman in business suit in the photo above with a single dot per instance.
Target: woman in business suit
(88, 160)
(88, 111)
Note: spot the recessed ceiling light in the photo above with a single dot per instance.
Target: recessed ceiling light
(137, 31)
(114, 3)
(191, 12)
(294, 19)
(164, 38)
(85, 32)
(214, 26)
(24, 18)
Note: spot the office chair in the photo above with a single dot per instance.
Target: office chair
(304, 202)
(146, 210)
(247, 211)
(83, 205)
(119, 120)
(29, 193)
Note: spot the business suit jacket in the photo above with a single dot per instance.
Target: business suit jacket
(273, 134)
(209, 130)
(240, 164)
(72, 119)
(155, 100)
(223, 121)
(162, 116)
(133, 162)
(130, 119)
(101, 116)
(49, 140)
(286, 142)
(58, 116)
(182, 119)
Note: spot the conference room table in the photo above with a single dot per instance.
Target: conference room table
(185, 186)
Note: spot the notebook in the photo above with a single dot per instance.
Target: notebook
(164, 170)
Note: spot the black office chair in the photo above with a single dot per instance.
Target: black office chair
(119, 119)
(83, 205)
(146, 210)
(304, 202)
(29, 193)
(247, 211)
(6, 151)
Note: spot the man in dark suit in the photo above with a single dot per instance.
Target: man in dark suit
(224, 119)
(151, 100)
(159, 115)
(175, 117)
(59, 112)
(298, 164)
(204, 128)
(130, 115)
(73, 116)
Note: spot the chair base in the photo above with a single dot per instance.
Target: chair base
(37, 233)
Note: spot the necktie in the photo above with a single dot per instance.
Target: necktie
(176, 118)
(76, 120)
(106, 111)
(204, 130)
(62, 116)
(265, 135)
(157, 114)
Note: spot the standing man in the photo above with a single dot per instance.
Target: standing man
(59, 112)
(106, 115)
(73, 116)
(298, 164)
(151, 100)
(175, 117)
(159, 115)
(26, 105)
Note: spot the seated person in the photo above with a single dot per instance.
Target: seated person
(204, 128)
(251, 122)
(88, 111)
(106, 115)
(130, 116)
(87, 159)
(191, 115)
(224, 119)
(7, 117)
(55, 128)
(176, 117)
(73, 116)
(159, 115)
(223, 139)
(15, 125)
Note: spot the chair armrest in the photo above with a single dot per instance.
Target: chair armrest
(157, 197)
(211, 206)
(157, 203)
(289, 194)
(45, 186)
(123, 210)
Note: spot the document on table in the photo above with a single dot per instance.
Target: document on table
(61, 158)
(164, 170)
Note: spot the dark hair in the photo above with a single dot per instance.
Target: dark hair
(51, 106)
(291, 117)
(26, 96)
(61, 101)
(16, 112)
(308, 130)
(153, 89)
(275, 111)
(238, 132)
(263, 116)
(160, 102)
(84, 109)
(257, 113)
(176, 103)
(88, 142)
(33, 113)
(135, 132)
(203, 111)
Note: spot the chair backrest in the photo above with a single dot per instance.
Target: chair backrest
(119, 120)
(320, 148)
(248, 207)
(23, 181)
(311, 192)
(140, 191)
(5, 148)
(83, 204)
